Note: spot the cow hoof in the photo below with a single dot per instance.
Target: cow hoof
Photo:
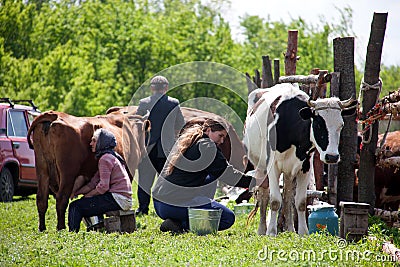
(303, 231)
(272, 233)
(291, 229)
(261, 232)
(59, 228)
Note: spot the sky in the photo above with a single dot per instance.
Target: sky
(311, 10)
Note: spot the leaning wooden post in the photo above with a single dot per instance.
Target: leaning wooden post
(266, 81)
(251, 86)
(257, 78)
(343, 50)
(291, 53)
(366, 173)
(333, 168)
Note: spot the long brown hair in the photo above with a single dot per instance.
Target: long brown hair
(190, 136)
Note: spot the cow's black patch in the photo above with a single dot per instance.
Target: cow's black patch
(46, 127)
(320, 132)
(291, 129)
(305, 167)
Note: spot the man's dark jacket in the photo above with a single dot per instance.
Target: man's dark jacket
(166, 120)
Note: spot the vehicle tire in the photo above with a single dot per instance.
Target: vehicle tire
(6, 185)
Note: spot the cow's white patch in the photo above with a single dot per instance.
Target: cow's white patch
(287, 162)
(330, 111)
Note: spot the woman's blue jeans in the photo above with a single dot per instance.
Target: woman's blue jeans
(89, 206)
(167, 211)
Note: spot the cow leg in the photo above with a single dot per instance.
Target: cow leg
(262, 199)
(263, 194)
(276, 201)
(62, 200)
(287, 210)
(42, 198)
(301, 202)
(61, 207)
(42, 194)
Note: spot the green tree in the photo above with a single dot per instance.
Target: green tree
(390, 77)
(83, 57)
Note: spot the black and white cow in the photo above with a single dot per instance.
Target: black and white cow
(283, 128)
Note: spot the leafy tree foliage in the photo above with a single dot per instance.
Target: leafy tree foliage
(390, 77)
(83, 57)
(315, 48)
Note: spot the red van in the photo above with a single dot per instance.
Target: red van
(17, 160)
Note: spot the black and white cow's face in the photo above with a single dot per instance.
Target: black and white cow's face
(326, 125)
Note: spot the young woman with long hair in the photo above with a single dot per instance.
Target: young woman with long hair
(189, 178)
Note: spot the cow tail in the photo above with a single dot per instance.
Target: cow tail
(47, 117)
(253, 212)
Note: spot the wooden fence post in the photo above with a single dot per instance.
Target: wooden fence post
(276, 71)
(290, 69)
(343, 50)
(251, 86)
(291, 53)
(366, 173)
(266, 81)
(315, 89)
(257, 78)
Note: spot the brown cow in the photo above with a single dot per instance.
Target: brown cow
(387, 173)
(232, 147)
(62, 152)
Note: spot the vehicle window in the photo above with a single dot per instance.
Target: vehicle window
(32, 116)
(16, 124)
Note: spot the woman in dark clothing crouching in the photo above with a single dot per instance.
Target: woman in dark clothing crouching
(189, 178)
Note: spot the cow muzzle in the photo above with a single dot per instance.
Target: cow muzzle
(329, 158)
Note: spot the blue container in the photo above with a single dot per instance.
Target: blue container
(323, 219)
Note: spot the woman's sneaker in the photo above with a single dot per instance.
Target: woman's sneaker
(170, 225)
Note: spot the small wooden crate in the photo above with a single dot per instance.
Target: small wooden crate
(353, 220)
(120, 221)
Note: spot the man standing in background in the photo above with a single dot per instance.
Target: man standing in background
(166, 121)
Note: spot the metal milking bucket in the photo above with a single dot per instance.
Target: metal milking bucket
(204, 221)
(94, 222)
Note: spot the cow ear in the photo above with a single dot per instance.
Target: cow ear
(351, 109)
(306, 113)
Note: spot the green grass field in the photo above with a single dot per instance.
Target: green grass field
(22, 245)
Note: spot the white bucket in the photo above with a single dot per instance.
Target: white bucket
(204, 221)
(243, 208)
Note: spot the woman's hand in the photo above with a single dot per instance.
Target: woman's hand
(92, 193)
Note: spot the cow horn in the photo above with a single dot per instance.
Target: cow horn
(345, 103)
(311, 103)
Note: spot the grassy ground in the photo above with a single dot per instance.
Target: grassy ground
(22, 245)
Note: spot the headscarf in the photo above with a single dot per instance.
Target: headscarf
(106, 143)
